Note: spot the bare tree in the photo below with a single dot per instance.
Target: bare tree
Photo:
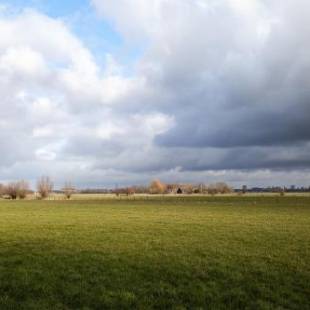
(15, 190)
(223, 188)
(130, 191)
(188, 188)
(212, 190)
(201, 188)
(2, 190)
(44, 186)
(11, 190)
(219, 188)
(68, 190)
(22, 189)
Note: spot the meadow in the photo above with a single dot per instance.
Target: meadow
(249, 252)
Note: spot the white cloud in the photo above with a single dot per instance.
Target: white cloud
(46, 155)
(23, 61)
(108, 130)
(53, 93)
(218, 83)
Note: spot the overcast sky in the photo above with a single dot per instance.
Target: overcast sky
(120, 92)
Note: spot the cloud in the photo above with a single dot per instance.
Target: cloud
(232, 73)
(220, 91)
(237, 70)
(58, 106)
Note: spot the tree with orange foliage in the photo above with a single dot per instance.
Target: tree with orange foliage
(157, 187)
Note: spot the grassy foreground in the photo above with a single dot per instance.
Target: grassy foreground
(179, 253)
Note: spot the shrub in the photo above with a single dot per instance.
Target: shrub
(219, 188)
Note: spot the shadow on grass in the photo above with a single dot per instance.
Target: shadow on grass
(40, 276)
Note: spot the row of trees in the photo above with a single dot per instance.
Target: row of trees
(158, 187)
(15, 190)
(45, 186)
(20, 189)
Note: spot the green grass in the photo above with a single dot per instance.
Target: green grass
(173, 253)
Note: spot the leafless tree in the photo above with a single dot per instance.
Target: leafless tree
(219, 188)
(44, 186)
(2, 190)
(68, 190)
(223, 188)
(11, 190)
(22, 189)
(15, 190)
(188, 189)
(212, 190)
(130, 191)
(201, 188)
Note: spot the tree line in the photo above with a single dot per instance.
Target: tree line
(159, 187)
(45, 186)
(21, 189)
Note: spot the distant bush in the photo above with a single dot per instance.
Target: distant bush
(219, 188)
(140, 189)
(223, 188)
(282, 192)
(212, 190)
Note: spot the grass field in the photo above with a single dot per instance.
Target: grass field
(173, 253)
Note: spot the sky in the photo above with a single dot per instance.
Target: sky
(105, 92)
